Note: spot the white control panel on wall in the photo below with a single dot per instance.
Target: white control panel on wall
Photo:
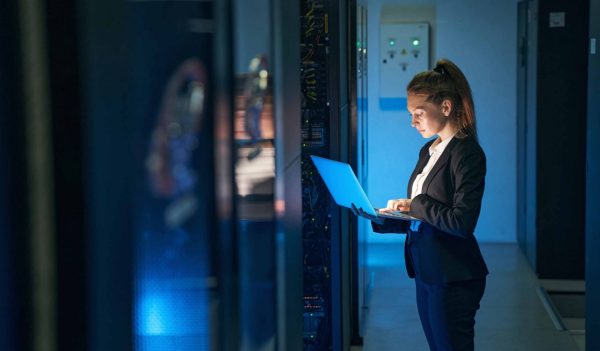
(404, 52)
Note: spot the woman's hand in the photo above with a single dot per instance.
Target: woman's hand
(359, 212)
(402, 205)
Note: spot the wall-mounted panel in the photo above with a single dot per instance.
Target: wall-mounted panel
(404, 52)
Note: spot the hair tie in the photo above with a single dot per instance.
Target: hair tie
(441, 70)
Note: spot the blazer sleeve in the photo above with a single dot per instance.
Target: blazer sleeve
(390, 225)
(461, 217)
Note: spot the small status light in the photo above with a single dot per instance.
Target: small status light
(415, 42)
(358, 44)
(392, 42)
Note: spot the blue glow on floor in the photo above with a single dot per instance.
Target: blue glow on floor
(385, 254)
(172, 315)
(154, 313)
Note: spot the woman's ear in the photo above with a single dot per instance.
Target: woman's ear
(446, 107)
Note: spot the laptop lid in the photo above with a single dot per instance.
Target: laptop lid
(343, 184)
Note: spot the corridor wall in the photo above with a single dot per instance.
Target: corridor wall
(488, 58)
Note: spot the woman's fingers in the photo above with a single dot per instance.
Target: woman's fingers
(390, 204)
(399, 205)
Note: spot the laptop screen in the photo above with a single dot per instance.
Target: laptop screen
(342, 184)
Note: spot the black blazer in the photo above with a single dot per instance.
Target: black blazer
(444, 248)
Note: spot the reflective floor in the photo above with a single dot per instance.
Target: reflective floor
(512, 315)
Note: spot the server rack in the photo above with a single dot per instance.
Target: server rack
(328, 234)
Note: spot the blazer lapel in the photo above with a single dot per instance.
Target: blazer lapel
(418, 169)
(441, 162)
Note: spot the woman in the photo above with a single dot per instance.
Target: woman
(444, 192)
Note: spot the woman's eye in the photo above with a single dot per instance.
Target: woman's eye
(416, 115)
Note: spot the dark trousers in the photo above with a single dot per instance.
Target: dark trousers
(447, 313)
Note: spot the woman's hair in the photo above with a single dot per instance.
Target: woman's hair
(447, 82)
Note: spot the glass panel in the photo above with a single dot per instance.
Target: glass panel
(170, 100)
(362, 133)
(255, 173)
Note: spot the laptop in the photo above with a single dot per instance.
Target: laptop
(346, 190)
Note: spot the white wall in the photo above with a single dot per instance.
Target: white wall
(480, 37)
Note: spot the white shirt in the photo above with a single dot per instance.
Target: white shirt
(435, 151)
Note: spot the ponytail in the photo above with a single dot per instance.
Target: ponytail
(447, 82)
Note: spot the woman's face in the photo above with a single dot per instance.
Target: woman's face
(427, 118)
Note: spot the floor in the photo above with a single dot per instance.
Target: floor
(512, 315)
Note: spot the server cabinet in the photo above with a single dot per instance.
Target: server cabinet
(553, 56)
(254, 151)
(170, 103)
(592, 273)
(179, 204)
(319, 216)
(147, 94)
(259, 200)
(526, 132)
(15, 298)
(328, 233)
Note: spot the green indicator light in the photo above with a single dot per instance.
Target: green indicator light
(415, 42)
(358, 44)
(392, 42)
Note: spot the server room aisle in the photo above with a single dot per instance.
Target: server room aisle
(512, 315)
